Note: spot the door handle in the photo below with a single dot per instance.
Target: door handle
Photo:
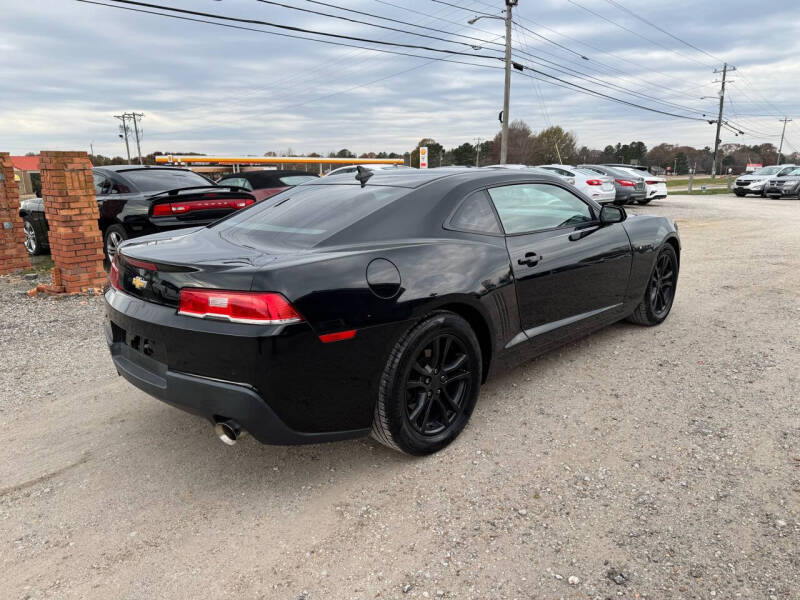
(531, 259)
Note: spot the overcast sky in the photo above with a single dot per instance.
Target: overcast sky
(68, 67)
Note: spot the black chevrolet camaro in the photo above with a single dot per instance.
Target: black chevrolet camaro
(378, 303)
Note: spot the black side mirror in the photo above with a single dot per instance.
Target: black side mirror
(612, 214)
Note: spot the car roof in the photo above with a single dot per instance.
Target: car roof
(415, 178)
(122, 168)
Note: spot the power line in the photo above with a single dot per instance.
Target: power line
(664, 31)
(401, 22)
(302, 29)
(475, 12)
(607, 96)
(631, 31)
(288, 35)
(351, 20)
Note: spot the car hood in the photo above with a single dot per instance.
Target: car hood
(754, 177)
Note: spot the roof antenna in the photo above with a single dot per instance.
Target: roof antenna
(363, 175)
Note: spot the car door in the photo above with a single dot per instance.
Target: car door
(570, 271)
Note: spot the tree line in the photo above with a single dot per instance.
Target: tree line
(551, 145)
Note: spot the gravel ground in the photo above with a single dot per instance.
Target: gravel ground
(640, 462)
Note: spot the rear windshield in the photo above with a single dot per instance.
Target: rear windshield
(296, 179)
(304, 216)
(157, 180)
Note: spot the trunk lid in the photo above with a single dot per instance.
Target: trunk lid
(156, 267)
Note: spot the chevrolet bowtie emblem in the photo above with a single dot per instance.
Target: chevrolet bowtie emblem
(139, 282)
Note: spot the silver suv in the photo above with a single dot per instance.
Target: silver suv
(756, 182)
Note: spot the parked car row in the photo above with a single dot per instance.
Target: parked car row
(140, 200)
(620, 184)
(758, 181)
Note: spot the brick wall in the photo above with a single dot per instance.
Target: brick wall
(70, 207)
(13, 256)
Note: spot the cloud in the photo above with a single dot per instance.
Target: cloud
(219, 90)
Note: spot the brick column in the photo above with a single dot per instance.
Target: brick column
(70, 207)
(13, 256)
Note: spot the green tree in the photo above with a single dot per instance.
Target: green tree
(464, 154)
(681, 164)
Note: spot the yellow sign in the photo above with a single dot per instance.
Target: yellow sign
(16, 178)
(423, 157)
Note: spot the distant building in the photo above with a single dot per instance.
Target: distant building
(26, 174)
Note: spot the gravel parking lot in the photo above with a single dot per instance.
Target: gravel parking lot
(640, 462)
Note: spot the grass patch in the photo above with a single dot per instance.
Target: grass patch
(697, 192)
(698, 181)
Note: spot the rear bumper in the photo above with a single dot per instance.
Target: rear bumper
(281, 383)
(213, 399)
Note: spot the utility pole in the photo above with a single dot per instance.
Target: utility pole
(724, 72)
(136, 131)
(477, 151)
(124, 129)
(780, 148)
(507, 87)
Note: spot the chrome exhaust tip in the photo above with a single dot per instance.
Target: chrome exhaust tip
(229, 432)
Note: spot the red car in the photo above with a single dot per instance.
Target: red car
(263, 184)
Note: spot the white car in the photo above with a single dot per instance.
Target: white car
(354, 168)
(655, 186)
(757, 181)
(507, 166)
(599, 188)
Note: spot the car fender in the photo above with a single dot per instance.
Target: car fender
(648, 234)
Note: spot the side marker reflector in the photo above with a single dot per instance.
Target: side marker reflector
(338, 336)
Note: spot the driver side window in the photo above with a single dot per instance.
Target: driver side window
(530, 207)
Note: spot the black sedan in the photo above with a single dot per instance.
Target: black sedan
(139, 200)
(378, 303)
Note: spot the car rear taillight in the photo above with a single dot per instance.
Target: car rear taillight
(187, 206)
(263, 308)
(625, 182)
(651, 182)
(113, 273)
(594, 182)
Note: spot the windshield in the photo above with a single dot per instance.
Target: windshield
(156, 180)
(767, 171)
(304, 216)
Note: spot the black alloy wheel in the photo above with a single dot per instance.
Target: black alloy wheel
(437, 385)
(430, 385)
(662, 285)
(660, 292)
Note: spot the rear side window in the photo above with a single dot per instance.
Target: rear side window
(304, 216)
(475, 214)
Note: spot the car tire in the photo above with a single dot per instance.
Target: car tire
(32, 243)
(429, 386)
(645, 201)
(774, 196)
(740, 194)
(660, 292)
(113, 236)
